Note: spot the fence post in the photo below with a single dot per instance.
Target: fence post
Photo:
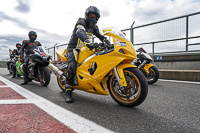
(133, 36)
(153, 51)
(187, 33)
(131, 32)
(54, 52)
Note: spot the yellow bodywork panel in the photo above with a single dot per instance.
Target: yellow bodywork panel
(61, 54)
(128, 49)
(83, 54)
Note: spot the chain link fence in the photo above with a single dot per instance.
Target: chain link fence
(175, 35)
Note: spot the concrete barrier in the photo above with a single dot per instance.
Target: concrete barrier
(180, 62)
(185, 75)
(184, 67)
(3, 64)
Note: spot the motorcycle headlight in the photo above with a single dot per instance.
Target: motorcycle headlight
(121, 51)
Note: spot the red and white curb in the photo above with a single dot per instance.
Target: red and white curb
(68, 118)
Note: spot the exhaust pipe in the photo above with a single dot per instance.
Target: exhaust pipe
(57, 72)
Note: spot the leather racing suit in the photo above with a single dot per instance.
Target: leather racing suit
(27, 47)
(16, 51)
(80, 34)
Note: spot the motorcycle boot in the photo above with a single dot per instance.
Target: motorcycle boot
(68, 93)
(25, 79)
(25, 76)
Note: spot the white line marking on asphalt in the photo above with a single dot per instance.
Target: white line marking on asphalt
(178, 81)
(3, 86)
(68, 118)
(16, 101)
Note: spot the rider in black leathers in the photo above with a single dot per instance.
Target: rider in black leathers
(13, 53)
(83, 30)
(28, 46)
(16, 52)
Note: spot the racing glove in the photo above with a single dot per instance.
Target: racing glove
(106, 41)
(91, 45)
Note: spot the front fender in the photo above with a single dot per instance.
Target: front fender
(147, 66)
(120, 72)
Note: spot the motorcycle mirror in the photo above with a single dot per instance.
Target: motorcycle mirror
(124, 33)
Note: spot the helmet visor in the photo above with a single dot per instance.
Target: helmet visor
(92, 15)
(18, 46)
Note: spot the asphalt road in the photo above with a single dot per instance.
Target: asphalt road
(169, 107)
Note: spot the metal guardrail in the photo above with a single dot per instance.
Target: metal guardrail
(186, 38)
(152, 43)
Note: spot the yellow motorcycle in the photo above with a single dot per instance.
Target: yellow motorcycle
(143, 62)
(107, 70)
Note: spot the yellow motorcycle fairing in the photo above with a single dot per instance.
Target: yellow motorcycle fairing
(120, 57)
(147, 66)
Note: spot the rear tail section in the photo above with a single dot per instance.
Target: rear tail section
(61, 54)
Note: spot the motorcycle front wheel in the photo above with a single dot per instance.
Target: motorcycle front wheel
(14, 70)
(45, 77)
(135, 92)
(153, 75)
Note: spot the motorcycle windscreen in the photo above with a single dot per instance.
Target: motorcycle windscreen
(40, 50)
(141, 50)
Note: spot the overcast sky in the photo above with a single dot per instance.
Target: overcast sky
(54, 20)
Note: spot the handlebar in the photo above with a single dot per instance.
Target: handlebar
(103, 48)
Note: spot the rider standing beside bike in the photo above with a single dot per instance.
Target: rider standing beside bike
(28, 46)
(83, 30)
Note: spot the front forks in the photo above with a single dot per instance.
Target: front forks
(119, 74)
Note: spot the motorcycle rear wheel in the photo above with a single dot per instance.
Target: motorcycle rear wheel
(45, 77)
(62, 86)
(136, 92)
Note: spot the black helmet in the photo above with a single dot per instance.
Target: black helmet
(32, 33)
(18, 46)
(91, 22)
